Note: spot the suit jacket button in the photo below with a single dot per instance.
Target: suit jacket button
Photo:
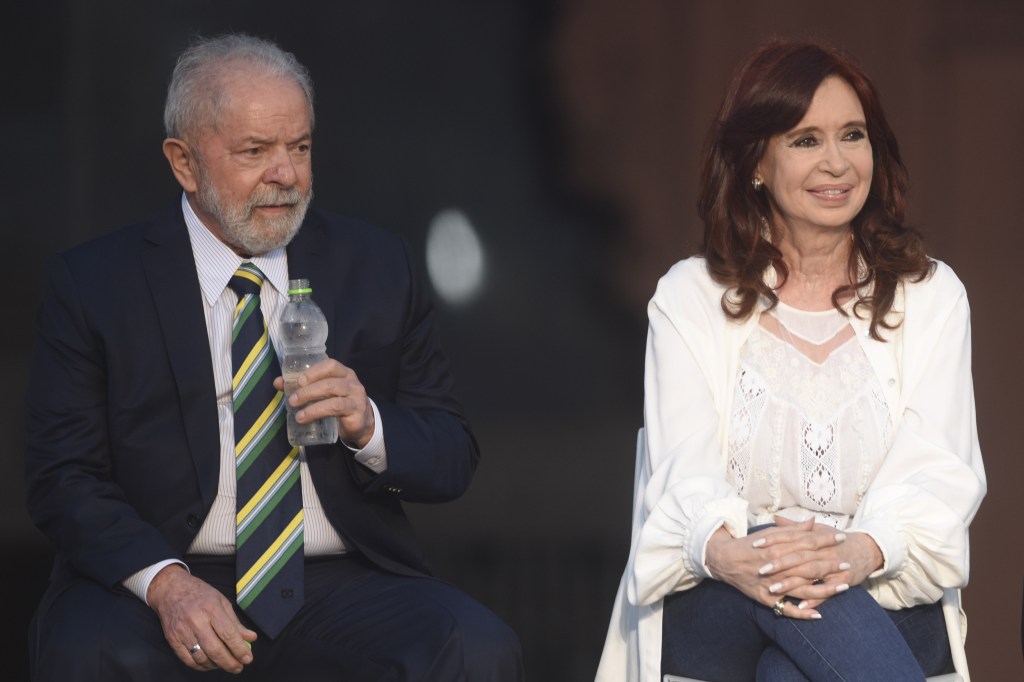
(193, 521)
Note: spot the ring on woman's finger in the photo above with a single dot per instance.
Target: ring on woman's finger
(778, 608)
(195, 649)
(817, 581)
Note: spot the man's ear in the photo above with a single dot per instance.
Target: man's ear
(180, 156)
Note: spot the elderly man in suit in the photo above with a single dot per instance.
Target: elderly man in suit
(137, 426)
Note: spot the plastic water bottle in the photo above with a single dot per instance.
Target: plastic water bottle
(303, 341)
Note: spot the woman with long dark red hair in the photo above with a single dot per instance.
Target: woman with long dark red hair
(811, 462)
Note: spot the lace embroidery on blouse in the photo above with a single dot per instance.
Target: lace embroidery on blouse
(809, 425)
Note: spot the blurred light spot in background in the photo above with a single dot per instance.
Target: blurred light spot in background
(455, 257)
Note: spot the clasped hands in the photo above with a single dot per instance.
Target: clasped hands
(805, 561)
(330, 389)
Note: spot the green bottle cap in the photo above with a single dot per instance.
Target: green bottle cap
(299, 286)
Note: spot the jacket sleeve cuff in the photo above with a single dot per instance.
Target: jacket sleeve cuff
(890, 543)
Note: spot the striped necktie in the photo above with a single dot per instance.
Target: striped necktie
(269, 522)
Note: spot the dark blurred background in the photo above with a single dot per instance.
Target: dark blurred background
(544, 154)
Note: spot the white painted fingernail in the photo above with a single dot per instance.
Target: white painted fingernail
(764, 569)
(842, 588)
(844, 566)
(840, 537)
(759, 542)
(775, 588)
(802, 605)
(816, 616)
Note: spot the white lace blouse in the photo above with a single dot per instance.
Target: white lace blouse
(809, 424)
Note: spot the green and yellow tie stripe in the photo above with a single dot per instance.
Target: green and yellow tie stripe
(269, 522)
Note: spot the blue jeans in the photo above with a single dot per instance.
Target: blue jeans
(714, 632)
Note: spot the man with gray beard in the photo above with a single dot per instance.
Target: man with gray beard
(134, 406)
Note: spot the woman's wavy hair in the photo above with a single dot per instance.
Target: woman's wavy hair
(769, 94)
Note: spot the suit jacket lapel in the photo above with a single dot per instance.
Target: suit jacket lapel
(327, 258)
(171, 276)
(308, 258)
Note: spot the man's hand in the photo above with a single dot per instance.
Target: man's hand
(330, 389)
(192, 612)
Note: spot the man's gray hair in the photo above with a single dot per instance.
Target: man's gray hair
(194, 96)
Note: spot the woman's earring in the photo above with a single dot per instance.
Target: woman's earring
(757, 183)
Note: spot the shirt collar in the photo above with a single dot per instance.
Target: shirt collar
(216, 262)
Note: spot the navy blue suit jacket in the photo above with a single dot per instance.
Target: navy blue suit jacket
(123, 448)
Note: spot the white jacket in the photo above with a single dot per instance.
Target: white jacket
(917, 509)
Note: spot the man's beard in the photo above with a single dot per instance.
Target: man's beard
(246, 232)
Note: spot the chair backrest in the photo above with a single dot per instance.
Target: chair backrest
(956, 626)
